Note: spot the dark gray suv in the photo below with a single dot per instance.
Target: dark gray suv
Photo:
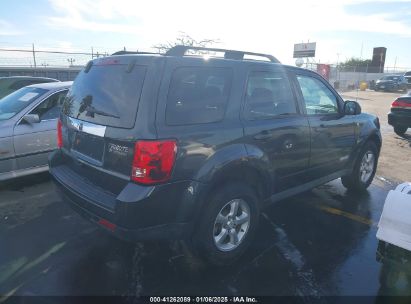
(179, 146)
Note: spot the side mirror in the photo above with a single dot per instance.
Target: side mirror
(31, 118)
(352, 107)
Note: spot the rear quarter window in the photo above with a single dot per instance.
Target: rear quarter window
(198, 95)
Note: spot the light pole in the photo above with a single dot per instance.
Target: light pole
(338, 62)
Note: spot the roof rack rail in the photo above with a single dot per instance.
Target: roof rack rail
(180, 50)
(131, 52)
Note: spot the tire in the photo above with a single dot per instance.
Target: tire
(363, 173)
(220, 206)
(400, 130)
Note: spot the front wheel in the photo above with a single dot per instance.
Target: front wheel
(364, 169)
(400, 130)
(228, 224)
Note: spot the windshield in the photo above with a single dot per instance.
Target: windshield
(18, 100)
(106, 95)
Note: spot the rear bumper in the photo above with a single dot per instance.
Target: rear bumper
(159, 232)
(399, 119)
(137, 212)
(386, 87)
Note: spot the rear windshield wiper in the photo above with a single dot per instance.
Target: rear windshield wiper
(92, 110)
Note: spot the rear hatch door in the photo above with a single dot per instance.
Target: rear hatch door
(98, 122)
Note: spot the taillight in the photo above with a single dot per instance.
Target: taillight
(153, 161)
(59, 134)
(400, 104)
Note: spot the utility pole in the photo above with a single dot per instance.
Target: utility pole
(362, 45)
(34, 57)
(338, 62)
(395, 63)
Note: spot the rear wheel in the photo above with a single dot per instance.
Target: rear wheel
(400, 130)
(228, 224)
(364, 169)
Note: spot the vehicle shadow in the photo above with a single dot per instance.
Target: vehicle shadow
(18, 184)
(406, 138)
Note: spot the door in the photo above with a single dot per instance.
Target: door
(273, 123)
(33, 142)
(7, 160)
(332, 133)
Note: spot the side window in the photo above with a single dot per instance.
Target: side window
(198, 95)
(50, 108)
(317, 97)
(268, 95)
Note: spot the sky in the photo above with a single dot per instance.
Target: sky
(341, 28)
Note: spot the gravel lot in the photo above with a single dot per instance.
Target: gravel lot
(395, 159)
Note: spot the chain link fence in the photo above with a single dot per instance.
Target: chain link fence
(350, 77)
(42, 61)
(37, 58)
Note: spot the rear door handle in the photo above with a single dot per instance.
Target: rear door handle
(263, 135)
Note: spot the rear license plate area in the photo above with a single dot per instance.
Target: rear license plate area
(89, 145)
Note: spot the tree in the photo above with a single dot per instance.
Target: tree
(185, 39)
(354, 63)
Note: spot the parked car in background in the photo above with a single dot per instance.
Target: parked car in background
(185, 147)
(10, 84)
(28, 121)
(400, 115)
(407, 76)
(391, 83)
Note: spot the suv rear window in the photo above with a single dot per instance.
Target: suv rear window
(107, 94)
(198, 95)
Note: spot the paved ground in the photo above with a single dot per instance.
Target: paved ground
(318, 243)
(395, 160)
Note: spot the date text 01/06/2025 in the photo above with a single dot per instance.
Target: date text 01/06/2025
(203, 300)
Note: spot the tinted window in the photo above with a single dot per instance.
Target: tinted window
(317, 97)
(198, 95)
(108, 94)
(390, 78)
(268, 95)
(407, 74)
(18, 100)
(50, 108)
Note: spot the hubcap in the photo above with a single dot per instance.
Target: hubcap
(367, 166)
(231, 225)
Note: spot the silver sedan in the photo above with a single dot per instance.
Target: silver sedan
(28, 122)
